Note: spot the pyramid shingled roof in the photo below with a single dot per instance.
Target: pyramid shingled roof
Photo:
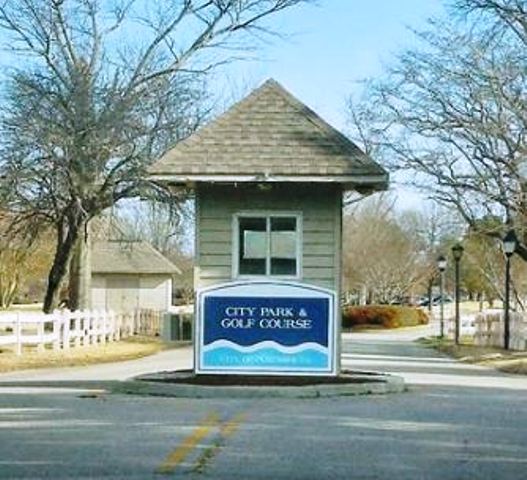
(269, 136)
(130, 257)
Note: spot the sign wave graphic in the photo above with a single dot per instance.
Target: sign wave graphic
(265, 344)
(265, 354)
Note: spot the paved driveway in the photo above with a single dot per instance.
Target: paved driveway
(455, 423)
(396, 352)
(390, 351)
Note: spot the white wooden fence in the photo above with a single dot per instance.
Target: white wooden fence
(64, 329)
(467, 326)
(490, 330)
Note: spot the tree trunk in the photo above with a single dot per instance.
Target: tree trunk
(61, 263)
(429, 293)
(80, 273)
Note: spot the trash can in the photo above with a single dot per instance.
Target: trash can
(177, 327)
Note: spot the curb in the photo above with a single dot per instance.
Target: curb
(107, 385)
(386, 384)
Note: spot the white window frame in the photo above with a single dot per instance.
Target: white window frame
(267, 214)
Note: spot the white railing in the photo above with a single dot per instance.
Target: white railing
(467, 326)
(64, 329)
(490, 330)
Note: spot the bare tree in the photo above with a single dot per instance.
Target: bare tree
(103, 88)
(24, 259)
(169, 232)
(381, 257)
(503, 16)
(165, 229)
(451, 115)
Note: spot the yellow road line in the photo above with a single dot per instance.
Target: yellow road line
(226, 429)
(189, 443)
(229, 427)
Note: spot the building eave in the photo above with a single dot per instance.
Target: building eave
(350, 182)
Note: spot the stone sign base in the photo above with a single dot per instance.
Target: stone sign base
(187, 384)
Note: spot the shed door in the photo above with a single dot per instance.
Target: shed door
(122, 293)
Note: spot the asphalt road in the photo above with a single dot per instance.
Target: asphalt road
(473, 429)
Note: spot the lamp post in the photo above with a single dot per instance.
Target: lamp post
(457, 253)
(509, 246)
(441, 265)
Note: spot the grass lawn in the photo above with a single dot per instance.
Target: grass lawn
(498, 358)
(128, 349)
(26, 307)
(473, 307)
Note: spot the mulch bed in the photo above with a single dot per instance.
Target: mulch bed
(187, 377)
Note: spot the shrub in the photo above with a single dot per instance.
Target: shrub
(387, 316)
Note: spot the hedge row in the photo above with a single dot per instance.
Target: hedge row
(387, 316)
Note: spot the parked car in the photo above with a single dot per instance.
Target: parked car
(436, 300)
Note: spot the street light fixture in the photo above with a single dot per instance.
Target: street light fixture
(509, 247)
(441, 265)
(457, 253)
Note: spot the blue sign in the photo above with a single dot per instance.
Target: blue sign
(265, 327)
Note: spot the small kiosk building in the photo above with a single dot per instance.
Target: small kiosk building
(269, 177)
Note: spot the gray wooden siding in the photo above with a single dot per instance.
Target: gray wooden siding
(320, 207)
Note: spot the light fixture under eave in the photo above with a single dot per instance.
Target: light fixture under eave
(457, 251)
(441, 263)
(509, 243)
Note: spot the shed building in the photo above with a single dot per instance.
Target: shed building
(269, 167)
(130, 275)
(269, 177)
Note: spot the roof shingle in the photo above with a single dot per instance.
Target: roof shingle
(265, 137)
(131, 257)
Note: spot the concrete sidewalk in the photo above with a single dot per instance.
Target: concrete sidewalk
(396, 352)
(393, 352)
(167, 360)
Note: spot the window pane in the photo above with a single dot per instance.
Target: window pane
(283, 246)
(253, 246)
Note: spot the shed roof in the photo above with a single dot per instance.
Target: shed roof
(269, 136)
(130, 257)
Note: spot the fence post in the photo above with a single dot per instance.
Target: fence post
(66, 322)
(96, 326)
(18, 334)
(93, 326)
(40, 332)
(111, 326)
(77, 327)
(92, 335)
(56, 330)
(129, 322)
(125, 322)
(123, 319)
(84, 327)
(103, 319)
(517, 339)
(117, 325)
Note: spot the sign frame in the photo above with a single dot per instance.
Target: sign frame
(263, 289)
